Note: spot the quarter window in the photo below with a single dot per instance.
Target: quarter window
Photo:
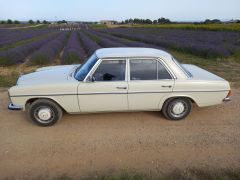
(162, 72)
(110, 70)
(147, 69)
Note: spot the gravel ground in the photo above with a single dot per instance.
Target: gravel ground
(95, 144)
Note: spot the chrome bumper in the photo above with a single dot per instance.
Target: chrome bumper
(226, 99)
(11, 106)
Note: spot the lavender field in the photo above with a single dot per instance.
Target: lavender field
(49, 45)
(201, 43)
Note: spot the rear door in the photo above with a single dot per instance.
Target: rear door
(149, 82)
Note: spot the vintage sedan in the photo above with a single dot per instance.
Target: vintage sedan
(117, 79)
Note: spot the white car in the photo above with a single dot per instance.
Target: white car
(117, 79)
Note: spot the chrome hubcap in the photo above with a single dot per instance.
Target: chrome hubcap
(178, 108)
(45, 114)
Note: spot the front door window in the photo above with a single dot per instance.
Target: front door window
(110, 70)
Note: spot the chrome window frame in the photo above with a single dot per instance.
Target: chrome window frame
(94, 68)
(188, 74)
(159, 60)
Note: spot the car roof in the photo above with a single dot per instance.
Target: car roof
(131, 52)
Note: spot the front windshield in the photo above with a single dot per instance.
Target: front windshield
(81, 73)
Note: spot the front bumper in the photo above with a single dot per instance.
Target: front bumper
(11, 106)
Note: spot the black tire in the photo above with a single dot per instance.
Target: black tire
(44, 112)
(177, 108)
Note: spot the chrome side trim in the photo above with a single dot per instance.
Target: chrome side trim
(40, 95)
(11, 106)
(204, 91)
(129, 92)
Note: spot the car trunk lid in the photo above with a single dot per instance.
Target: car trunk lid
(201, 74)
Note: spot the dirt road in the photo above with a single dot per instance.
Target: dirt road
(83, 145)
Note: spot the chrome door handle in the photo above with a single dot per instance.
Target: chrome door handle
(121, 87)
(167, 86)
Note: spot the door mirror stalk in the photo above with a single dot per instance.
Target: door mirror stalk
(91, 79)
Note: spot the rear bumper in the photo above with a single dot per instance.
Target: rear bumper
(226, 99)
(11, 106)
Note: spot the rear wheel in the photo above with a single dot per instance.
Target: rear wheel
(44, 112)
(177, 108)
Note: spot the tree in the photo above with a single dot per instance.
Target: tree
(3, 22)
(155, 22)
(214, 21)
(9, 21)
(148, 21)
(38, 22)
(62, 22)
(45, 22)
(31, 21)
(16, 22)
(163, 21)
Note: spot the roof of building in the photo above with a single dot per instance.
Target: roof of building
(131, 52)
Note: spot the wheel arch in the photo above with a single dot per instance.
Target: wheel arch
(33, 99)
(166, 99)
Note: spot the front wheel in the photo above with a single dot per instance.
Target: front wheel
(44, 112)
(177, 108)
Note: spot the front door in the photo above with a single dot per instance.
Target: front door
(106, 89)
(149, 82)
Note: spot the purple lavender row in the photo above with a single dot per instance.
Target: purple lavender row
(12, 36)
(127, 42)
(47, 53)
(105, 42)
(73, 52)
(19, 54)
(90, 46)
(203, 43)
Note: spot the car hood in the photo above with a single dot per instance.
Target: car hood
(48, 75)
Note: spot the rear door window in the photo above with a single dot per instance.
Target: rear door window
(147, 69)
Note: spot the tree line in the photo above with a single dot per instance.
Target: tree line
(146, 21)
(161, 20)
(168, 21)
(9, 21)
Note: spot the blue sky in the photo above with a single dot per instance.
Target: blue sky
(94, 10)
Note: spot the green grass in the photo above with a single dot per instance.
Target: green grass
(10, 80)
(96, 26)
(209, 27)
(23, 26)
